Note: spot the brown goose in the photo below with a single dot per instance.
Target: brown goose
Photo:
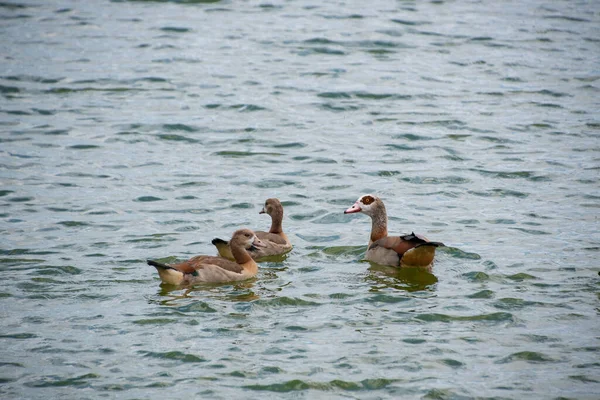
(214, 269)
(399, 251)
(275, 241)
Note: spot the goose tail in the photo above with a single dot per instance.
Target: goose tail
(167, 273)
(223, 248)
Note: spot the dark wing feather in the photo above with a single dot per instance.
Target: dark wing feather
(401, 244)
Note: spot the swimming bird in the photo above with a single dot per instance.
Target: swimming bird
(400, 251)
(214, 269)
(275, 241)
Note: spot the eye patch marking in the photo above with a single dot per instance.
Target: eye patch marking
(367, 200)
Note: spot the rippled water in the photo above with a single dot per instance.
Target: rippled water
(143, 129)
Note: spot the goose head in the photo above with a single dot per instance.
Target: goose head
(367, 204)
(245, 238)
(271, 207)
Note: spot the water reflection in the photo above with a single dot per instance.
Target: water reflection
(277, 258)
(407, 279)
(172, 295)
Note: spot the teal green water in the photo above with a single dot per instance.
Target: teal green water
(143, 129)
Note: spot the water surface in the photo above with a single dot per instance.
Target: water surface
(143, 129)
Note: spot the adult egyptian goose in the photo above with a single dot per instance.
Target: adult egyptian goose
(275, 241)
(214, 269)
(399, 251)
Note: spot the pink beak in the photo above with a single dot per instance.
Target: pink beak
(354, 209)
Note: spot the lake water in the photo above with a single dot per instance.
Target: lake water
(144, 129)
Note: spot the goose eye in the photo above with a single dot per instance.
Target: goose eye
(368, 200)
(247, 234)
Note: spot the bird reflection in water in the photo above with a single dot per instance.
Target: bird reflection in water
(407, 279)
(233, 291)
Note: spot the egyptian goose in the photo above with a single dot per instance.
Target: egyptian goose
(399, 251)
(214, 269)
(275, 241)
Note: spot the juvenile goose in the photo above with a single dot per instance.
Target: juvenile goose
(275, 241)
(214, 269)
(399, 251)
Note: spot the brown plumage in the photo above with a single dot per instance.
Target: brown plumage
(400, 251)
(214, 269)
(275, 241)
